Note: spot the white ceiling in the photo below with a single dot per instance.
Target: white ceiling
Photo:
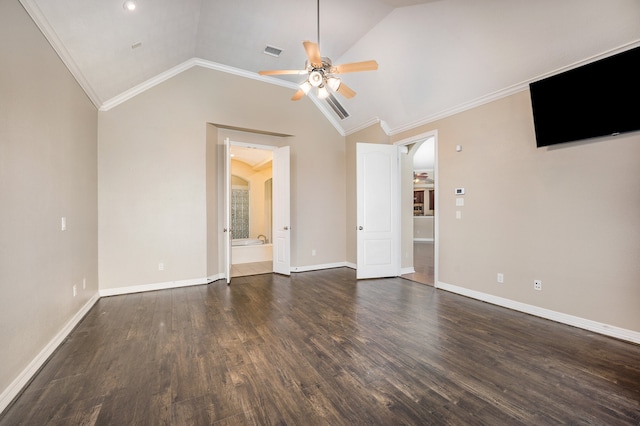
(435, 56)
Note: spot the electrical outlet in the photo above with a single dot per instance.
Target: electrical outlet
(313, 252)
(160, 266)
(75, 290)
(537, 285)
(84, 283)
(500, 277)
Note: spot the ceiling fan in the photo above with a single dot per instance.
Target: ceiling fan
(322, 74)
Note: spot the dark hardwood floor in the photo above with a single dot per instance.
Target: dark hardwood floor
(321, 348)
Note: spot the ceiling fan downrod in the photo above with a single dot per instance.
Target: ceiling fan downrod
(318, 23)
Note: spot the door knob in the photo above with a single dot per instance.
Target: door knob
(286, 228)
(360, 228)
(224, 230)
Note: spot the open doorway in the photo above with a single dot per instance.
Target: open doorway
(251, 208)
(423, 193)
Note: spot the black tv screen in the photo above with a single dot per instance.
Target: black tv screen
(598, 99)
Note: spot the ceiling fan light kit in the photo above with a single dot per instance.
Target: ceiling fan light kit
(321, 73)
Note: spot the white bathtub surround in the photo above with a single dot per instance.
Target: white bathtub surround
(246, 242)
(248, 253)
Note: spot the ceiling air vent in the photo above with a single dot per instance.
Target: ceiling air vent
(273, 51)
(337, 108)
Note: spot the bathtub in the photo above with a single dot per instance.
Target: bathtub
(246, 242)
(249, 250)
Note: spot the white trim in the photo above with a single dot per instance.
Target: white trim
(153, 287)
(436, 187)
(162, 77)
(252, 145)
(36, 363)
(423, 240)
(366, 124)
(586, 324)
(507, 91)
(351, 265)
(318, 267)
(54, 40)
(462, 107)
(212, 278)
(184, 66)
(409, 270)
(52, 37)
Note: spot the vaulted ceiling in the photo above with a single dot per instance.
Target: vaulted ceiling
(435, 57)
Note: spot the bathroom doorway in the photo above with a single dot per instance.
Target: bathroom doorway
(251, 210)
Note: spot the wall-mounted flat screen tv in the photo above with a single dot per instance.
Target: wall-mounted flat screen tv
(597, 99)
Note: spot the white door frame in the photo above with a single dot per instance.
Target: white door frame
(284, 268)
(436, 214)
(226, 232)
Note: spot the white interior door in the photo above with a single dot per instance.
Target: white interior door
(378, 212)
(227, 208)
(281, 216)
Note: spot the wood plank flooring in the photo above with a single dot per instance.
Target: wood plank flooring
(322, 348)
(251, 268)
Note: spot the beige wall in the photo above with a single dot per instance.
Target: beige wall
(214, 258)
(153, 197)
(48, 164)
(566, 215)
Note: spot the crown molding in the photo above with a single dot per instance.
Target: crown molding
(54, 40)
(460, 108)
(516, 88)
(193, 62)
(49, 33)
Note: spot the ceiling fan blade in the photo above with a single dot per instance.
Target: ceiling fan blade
(282, 72)
(298, 95)
(346, 91)
(313, 53)
(355, 67)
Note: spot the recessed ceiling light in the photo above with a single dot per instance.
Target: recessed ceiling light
(129, 5)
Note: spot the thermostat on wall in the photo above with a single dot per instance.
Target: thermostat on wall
(459, 191)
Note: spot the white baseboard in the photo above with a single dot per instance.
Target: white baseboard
(318, 267)
(212, 278)
(404, 271)
(596, 327)
(155, 286)
(27, 374)
(423, 240)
